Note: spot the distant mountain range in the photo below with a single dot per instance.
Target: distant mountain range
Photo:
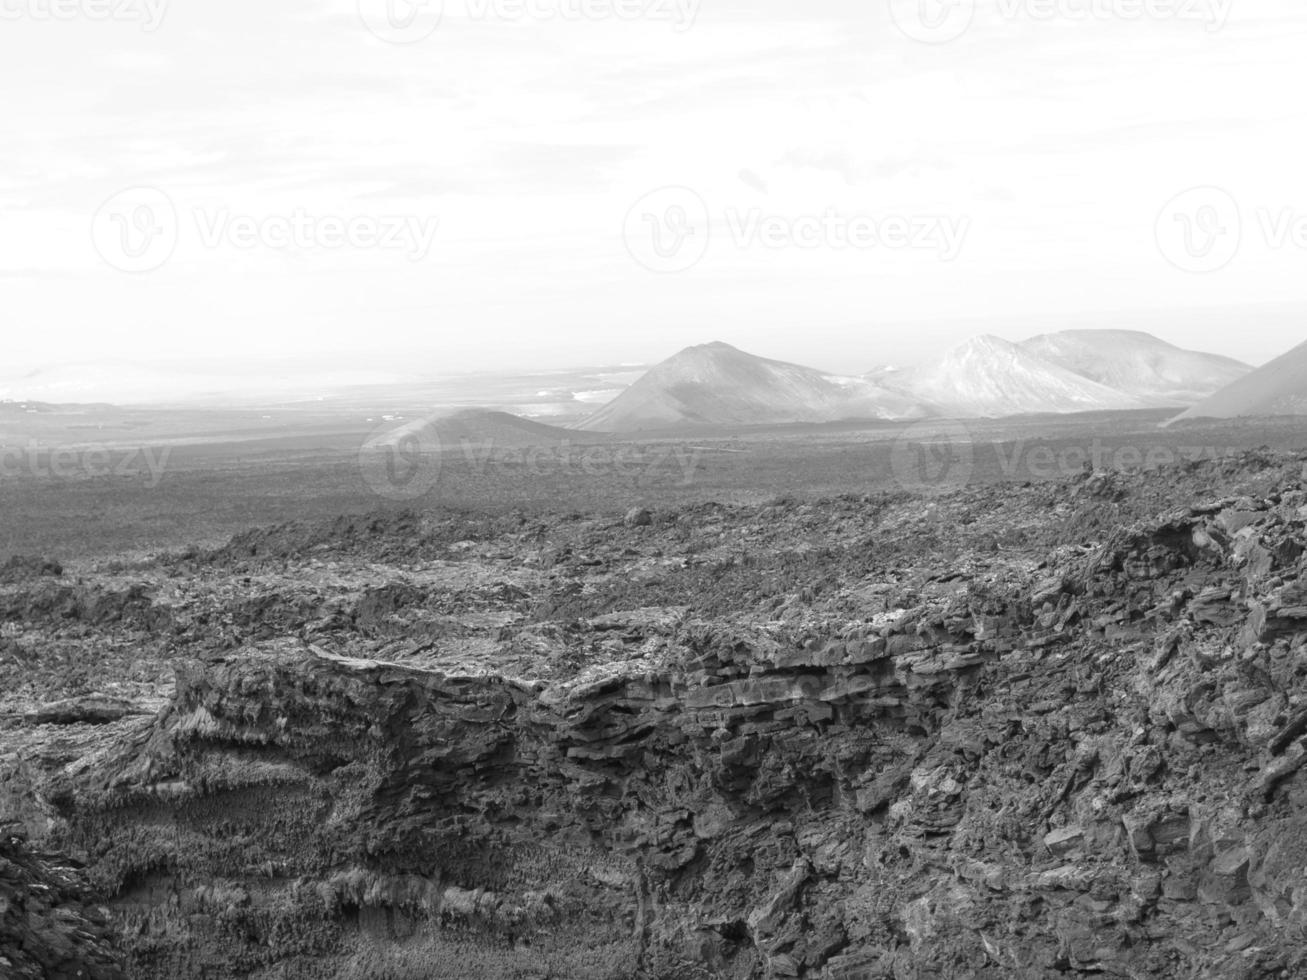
(717, 384)
(1073, 371)
(991, 377)
(1277, 388)
(1138, 364)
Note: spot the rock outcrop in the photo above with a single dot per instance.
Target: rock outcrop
(48, 929)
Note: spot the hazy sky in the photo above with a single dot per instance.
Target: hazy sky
(852, 182)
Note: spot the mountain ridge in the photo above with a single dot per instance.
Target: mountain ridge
(983, 377)
(1139, 364)
(988, 376)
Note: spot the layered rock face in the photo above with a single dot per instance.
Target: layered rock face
(1016, 732)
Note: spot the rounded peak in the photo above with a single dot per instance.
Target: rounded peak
(986, 343)
(715, 352)
(473, 413)
(712, 347)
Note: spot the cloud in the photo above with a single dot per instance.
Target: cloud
(753, 181)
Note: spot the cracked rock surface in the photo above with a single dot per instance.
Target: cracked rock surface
(1021, 731)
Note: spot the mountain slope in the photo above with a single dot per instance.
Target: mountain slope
(991, 377)
(1138, 364)
(477, 426)
(1278, 388)
(717, 384)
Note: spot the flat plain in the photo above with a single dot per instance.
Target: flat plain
(106, 481)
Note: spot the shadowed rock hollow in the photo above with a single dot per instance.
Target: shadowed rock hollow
(1001, 732)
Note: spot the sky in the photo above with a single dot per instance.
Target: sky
(368, 188)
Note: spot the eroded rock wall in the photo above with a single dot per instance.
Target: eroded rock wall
(1076, 758)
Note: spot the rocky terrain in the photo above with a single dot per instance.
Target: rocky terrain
(1037, 730)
